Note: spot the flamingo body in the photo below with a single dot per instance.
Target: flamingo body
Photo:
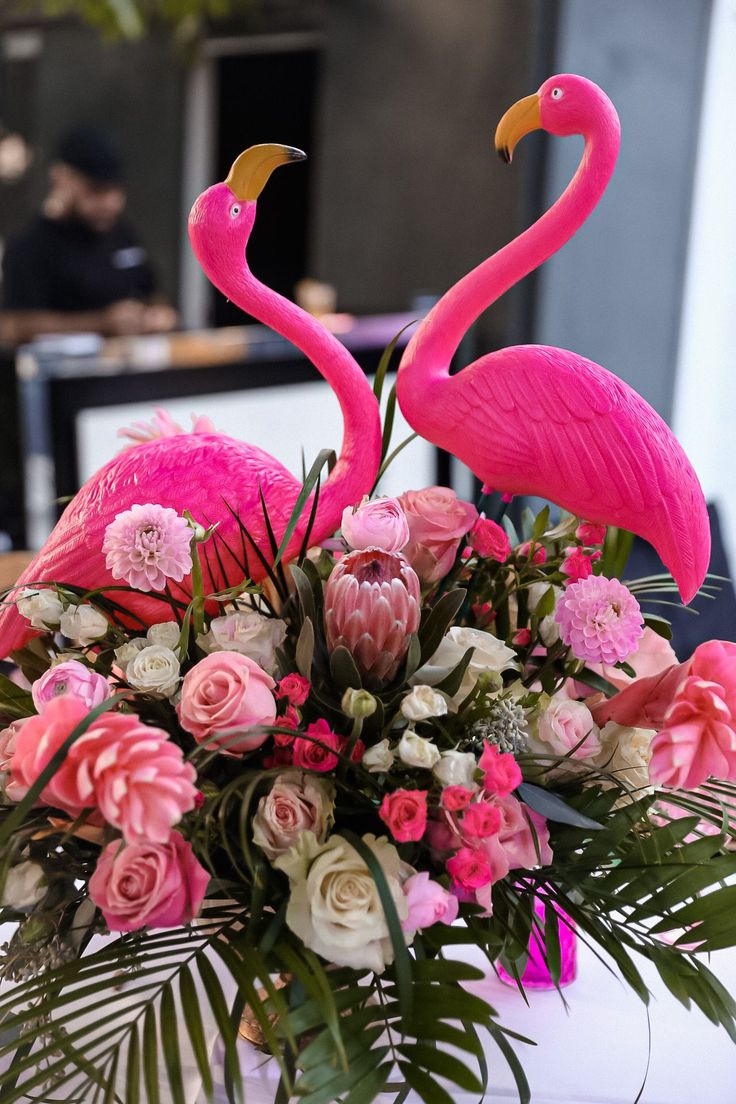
(533, 419)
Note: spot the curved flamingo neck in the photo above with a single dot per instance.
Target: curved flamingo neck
(428, 355)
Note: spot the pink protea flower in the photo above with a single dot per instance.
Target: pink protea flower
(147, 546)
(372, 608)
(70, 677)
(600, 619)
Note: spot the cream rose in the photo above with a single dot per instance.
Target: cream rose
(423, 702)
(456, 768)
(128, 651)
(297, 802)
(247, 632)
(626, 753)
(564, 724)
(24, 887)
(335, 907)
(42, 608)
(83, 624)
(166, 633)
(379, 758)
(415, 751)
(154, 670)
(490, 655)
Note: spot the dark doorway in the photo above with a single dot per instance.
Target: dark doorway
(270, 98)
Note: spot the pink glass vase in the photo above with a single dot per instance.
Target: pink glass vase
(536, 975)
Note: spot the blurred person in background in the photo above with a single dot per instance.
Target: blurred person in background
(80, 266)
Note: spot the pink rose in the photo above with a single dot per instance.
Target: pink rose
(502, 773)
(429, 903)
(523, 836)
(224, 696)
(440, 836)
(315, 750)
(455, 798)
(404, 812)
(699, 739)
(590, 532)
(295, 688)
(567, 724)
(296, 803)
(154, 885)
(438, 520)
(8, 740)
(70, 677)
(378, 524)
(481, 820)
(490, 540)
(578, 565)
(470, 869)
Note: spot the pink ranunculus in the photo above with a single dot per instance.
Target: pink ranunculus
(8, 741)
(698, 741)
(455, 798)
(590, 532)
(223, 698)
(481, 820)
(502, 773)
(70, 677)
(523, 836)
(315, 750)
(404, 812)
(438, 520)
(148, 885)
(470, 868)
(378, 524)
(295, 688)
(490, 540)
(535, 553)
(429, 903)
(578, 565)
(566, 725)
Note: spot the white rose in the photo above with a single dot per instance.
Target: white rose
(415, 751)
(24, 887)
(247, 632)
(166, 634)
(379, 758)
(626, 753)
(335, 907)
(490, 655)
(564, 723)
(549, 630)
(456, 768)
(128, 651)
(42, 608)
(423, 702)
(83, 624)
(154, 669)
(297, 802)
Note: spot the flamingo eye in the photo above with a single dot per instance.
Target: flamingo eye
(235, 210)
(557, 93)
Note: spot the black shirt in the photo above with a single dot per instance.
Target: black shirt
(57, 265)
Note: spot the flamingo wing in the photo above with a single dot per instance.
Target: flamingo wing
(544, 421)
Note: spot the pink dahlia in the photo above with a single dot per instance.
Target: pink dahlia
(372, 608)
(147, 546)
(600, 619)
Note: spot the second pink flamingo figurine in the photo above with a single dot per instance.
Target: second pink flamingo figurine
(536, 420)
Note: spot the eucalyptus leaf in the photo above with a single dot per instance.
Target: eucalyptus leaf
(343, 669)
(549, 805)
(305, 649)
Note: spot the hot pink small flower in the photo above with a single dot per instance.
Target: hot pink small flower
(438, 520)
(290, 719)
(481, 820)
(523, 836)
(502, 773)
(429, 903)
(455, 798)
(470, 868)
(699, 738)
(404, 812)
(590, 532)
(70, 677)
(356, 755)
(536, 553)
(148, 885)
(281, 757)
(310, 755)
(295, 688)
(521, 638)
(225, 699)
(148, 545)
(378, 524)
(599, 619)
(577, 564)
(490, 540)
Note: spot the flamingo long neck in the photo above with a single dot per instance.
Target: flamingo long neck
(426, 361)
(357, 466)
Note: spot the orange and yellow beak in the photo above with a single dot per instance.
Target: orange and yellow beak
(252, 168)
(520, 119)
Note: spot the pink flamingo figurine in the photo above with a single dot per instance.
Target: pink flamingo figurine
(206, 473)
(532, 419)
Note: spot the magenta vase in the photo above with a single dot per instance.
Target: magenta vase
(536, 975)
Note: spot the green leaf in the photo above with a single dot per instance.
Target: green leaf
(343, 669)
(326, 456)
(441, 1063)
(442, 616)
(150, 1057)
(541, 523)
(451, 683)
(552, 807)
(195, 1029)
(385, 360)
(15, 702)
(597, 682)
(522, 1085)
(304, 593)
(388, 422)
(546, 604)
(170, 1044)
(426, 1086)
(305, 649)
(222, 1019)
(660, 625)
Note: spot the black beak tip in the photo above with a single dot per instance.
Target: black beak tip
(505, 154)
(297, 154)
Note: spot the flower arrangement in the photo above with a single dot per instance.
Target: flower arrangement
(432, 731)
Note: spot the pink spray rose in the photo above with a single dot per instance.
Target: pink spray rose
(524, 835)
(429, 903)
(295, 688)
(490, 540)
(438, 520)
(470, 868)
(590, 532)
(377, 524)
(405, 814)
(224, 696)
(502, 773)
(70, 677)
(578, 565)
(148, 885)
(481, 820)
(317, 753)
(536, 553)
(455, 798)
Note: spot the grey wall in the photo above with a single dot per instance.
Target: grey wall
(614, 293)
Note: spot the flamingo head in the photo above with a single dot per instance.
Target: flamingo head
(563, 105)
(222, 218)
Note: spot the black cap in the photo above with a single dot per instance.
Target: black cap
(90, 151)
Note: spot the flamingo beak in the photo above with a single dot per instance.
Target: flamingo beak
(252, 168)
(520, 119)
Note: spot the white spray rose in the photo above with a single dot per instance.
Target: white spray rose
(456, 768)
(247, 632)
(154, 669)
(128, 651)
(379, 758)
(42, 608)
(83, 624)
(490, 656)
(423, 702)
(297, 802)
(626, 753)
(415, 751)
(24, 886)
(166, 633)
(335, 907)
